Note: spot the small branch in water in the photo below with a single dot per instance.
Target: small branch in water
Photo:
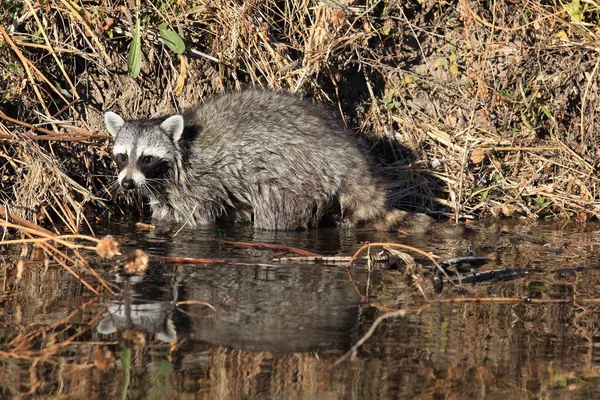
(331, 259)
(270, 246)
(322, 259)
(402, 246)
(411, 267)
(393, 314)
(507, 300)
(211, 261)
(187, 221)
(195, 302)
(190, 260)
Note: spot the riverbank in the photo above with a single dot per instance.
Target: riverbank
(472, 109)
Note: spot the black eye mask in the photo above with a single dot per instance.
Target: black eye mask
(121, 160)
(153, 167)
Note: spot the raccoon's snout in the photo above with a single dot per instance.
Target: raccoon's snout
(131, 178)
(128, 184)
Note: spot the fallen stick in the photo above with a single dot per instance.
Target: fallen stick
(270, 246)
(392, 314)
(332, 259)
(49, 134)
(211, 261)
(20, 221)
(190, 260)
(56, 138)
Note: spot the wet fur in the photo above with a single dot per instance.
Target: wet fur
(285, 160)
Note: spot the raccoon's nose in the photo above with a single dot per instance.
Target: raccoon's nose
(128, 183)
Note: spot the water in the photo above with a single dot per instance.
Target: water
(280, 325)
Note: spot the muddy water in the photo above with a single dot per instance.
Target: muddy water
(280, 324)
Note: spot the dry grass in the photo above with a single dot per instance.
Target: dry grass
(479, 108)
(63, 250)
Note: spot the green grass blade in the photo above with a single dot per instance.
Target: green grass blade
(134, 59)
(126, 361)
(171, 38)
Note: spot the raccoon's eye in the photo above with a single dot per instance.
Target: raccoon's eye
(148, 160)
(121, 158)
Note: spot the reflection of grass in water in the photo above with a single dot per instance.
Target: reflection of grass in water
(126, 361)
(384, 295)
(159, 376)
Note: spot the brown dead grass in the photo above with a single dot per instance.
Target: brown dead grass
(478, 108)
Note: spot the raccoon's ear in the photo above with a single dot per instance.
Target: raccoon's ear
(113, 123)
(173, 126)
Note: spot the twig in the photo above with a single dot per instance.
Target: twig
(51, 49)
(584, 100)
(23, 222)
(25, 63)
(195, 302)
(56, 138)
(465, 5)
(499, 148)
(330, 259)
(189, 260)
(392, 314)
(198, 53)
(272, 247)
(56, 49)
(402, 246)
(30, 229)
(502, 300)
(51, 135)
(88, 30)
(52, 253)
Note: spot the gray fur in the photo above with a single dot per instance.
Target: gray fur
(284, 159)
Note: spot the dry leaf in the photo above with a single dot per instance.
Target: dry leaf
(135, 338)
(145, 227)
(495, 211)
(182, 75)
(108, 23)
(20, 267)
(508, 210)
(136, 263)
(337, 17)
(454, 69)
(108, 247)
(478, 155)
(103, 358)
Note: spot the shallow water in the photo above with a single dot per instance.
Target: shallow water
(279, 325)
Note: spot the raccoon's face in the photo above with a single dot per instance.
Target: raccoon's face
(145, 150)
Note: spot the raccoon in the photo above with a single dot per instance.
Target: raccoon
(285, 160)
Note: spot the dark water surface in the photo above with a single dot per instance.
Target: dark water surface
(279, 325)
